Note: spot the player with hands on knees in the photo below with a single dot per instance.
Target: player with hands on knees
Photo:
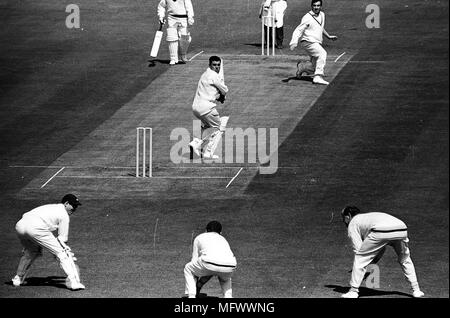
(370, 233)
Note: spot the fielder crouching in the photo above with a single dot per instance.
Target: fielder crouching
(211, 256)
(35, 231)
(370, 233)
(180, 14)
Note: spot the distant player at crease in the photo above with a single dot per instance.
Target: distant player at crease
(180, 14)
(370, 233)
(310, 33)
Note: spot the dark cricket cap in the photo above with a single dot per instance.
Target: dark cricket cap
(72, 199)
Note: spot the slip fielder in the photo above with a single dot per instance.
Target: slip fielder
(370, 233)
(211, 256)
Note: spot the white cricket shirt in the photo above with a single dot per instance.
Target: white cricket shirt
(213, 247)
(310, 28)
(50, 217)
(207, 92)
(362, 224)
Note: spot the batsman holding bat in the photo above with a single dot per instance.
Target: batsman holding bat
(370, 233)
(35, 231)
(211, 88)
(180, 14)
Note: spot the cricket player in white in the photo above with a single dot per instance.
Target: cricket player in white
(370, 233)
(211, 256)
(211, 88)
(35, 229)
(180, 14)
(310, 32)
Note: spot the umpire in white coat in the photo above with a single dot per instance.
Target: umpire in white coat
(370, 233)
(211, 256)
(35, 231)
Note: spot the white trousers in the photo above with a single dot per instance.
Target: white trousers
(373, 247)
(195, 270)
(317, 54)
(33, 238)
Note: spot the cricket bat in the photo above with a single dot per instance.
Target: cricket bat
(157, 41)
(221, 71)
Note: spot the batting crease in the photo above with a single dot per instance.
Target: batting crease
(52, 177)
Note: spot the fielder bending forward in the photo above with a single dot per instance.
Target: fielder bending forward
(180, 14)
(35, 229)
(211, 88)
(211, 256)
(370, 233)
(309, 32)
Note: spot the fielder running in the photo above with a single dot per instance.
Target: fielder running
(310, 33)
(211, 88)
(370, 233)
(211, 256)
(35, 229)
(180, 14)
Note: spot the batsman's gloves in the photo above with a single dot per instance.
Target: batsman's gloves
(73, 256)
(191, 21)
(221, 98)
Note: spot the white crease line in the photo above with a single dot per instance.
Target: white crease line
(363, 62)
(338, 57)
(132, 167)
(134, 177)
(154, 235)
(52, 177)
(234, 177)
(195, 55)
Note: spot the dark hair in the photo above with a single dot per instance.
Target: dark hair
(214, 58)
(314, 1)
(72, 199)
(350, 210)
(214, 226)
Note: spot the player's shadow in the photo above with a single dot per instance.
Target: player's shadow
(152, 62)
(253, 44)
(367, 292)
(56, 281)
(202, 296)
(295, 78)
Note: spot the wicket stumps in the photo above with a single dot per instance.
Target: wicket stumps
(268, 20)
(144, 143)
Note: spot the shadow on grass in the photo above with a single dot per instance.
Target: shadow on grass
(367, 292)
(295, 78)
(56, 281)
(202, 295)
(152, 63)
(253, 44)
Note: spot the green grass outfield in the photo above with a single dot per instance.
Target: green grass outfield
(377, 137)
